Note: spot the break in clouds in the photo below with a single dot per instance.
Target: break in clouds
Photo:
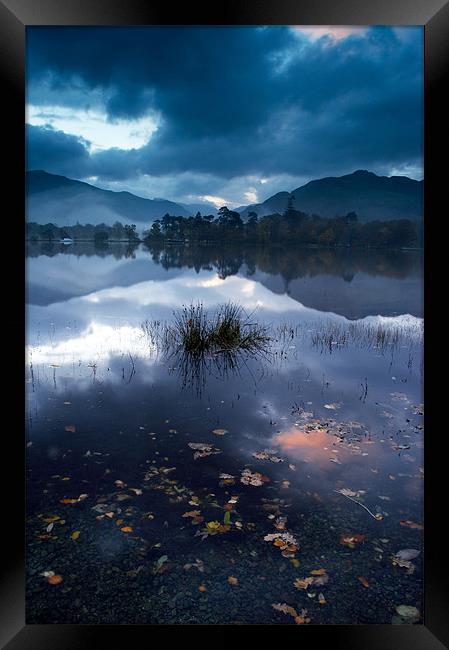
(223, 114)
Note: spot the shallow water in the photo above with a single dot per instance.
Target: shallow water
(340, 414)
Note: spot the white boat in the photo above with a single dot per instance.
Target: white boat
(66, 240)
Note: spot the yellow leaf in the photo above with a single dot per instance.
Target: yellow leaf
(75, 534)
(50, 520)
(318, 572)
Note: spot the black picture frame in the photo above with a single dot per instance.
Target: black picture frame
(15, 16)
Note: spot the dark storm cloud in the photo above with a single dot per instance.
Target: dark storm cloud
(232, 102)
(56, 152)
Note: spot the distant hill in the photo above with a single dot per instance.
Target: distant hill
(64, 202)
(204, 208)
(372, 197)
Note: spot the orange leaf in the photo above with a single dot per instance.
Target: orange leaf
(126, 529)
(54, 580)
(364, 581)
(285, 609)
(233, 581)
(68, 500)
(202, 588)
(411, 524)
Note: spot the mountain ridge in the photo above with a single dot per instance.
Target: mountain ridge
(371, 196)
(53, 198)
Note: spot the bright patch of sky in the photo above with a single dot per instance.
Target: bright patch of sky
(332, 32)
(92, 125)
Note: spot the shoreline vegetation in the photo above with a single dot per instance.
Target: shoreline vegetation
(229, 328)
(292, 228)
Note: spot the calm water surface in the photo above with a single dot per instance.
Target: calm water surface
(111, 417)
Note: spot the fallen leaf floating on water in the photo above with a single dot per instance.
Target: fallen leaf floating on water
(232, 580)
(321, 599)
(66, 501)
(408, 553)
(300, 619)
(52, 519)
(285, 541)
(403, 559)
(268, 454)
(220, 432)
(303, 583)
(54, 579)
(126, 529)
(364, 581)
(119, 484)
(411, 524)
(409, 613)
(70, 428)
(203, 449)
(348, 493)
(333, 407)
(202, 588)
(351, 540)
(280, 523)
(253, 478)
(136, 491)
(192, 513)
(122, 497)
(213, 528)
(318, 572)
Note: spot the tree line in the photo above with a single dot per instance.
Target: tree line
(100, 233)
(291, 227)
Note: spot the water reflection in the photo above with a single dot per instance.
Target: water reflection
(105, 405)
(353, 283)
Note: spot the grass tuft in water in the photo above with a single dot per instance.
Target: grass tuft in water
(228, 329)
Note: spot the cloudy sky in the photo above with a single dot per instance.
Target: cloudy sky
(229, 115)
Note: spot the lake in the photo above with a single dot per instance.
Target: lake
(316, 445)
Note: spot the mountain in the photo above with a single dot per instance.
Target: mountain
(372, 197)
(204, 208)
(56, 199)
